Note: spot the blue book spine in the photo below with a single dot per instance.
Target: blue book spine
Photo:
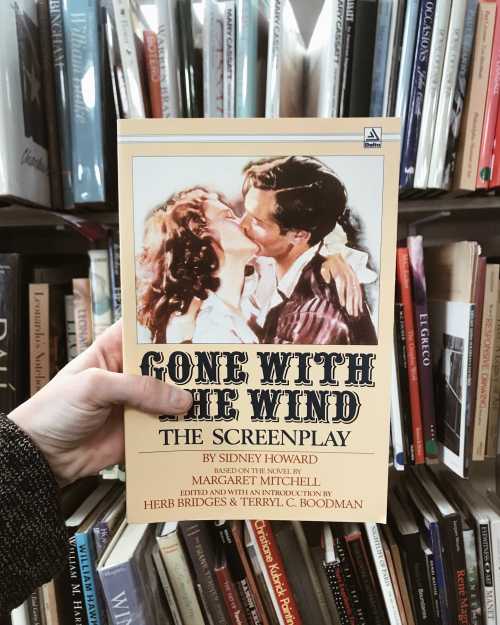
(123, 595)
(61, 96)
(417, 92)
(436, 547)
(86, 560)
(380, 55)
(247, 15)
(406, 61)
(82, 41)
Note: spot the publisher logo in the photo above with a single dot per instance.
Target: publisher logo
(373, 137)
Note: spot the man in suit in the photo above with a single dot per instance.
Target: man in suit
(291, 204)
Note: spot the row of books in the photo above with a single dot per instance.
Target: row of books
(435, 562)
(74, 67)
(52, 311)
(446, 376)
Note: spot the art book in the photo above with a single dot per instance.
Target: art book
(257, 262)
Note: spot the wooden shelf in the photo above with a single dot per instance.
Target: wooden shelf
(17, 216)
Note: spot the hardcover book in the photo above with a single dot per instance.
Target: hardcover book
(228, 228)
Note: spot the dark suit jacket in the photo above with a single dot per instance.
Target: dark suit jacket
(312, 315)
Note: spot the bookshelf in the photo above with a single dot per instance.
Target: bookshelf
(440, 219)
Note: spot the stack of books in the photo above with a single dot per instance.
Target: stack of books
(433, 63)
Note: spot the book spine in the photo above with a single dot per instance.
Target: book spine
(232, 601)
(152, 60)
(167, 587)
(380, 54)
(403, 381)
(469, 393)
(246, 59)
(39, 296)
(439, 567)
(433, 585)
(48, 597)
(61, 87)
(362, 67)
(472, 123)
(114, 266)
(69, 309)
(274, 60)
(169, 60)
(459, 94)
(180, 576)
(486, 572)
(99, 277)
(229, 57)
(83, 313)
(371, 600)
(406, 61)
(10, 344)
(403, 277)
(417, 93)
(347, 54)
(432, 87)
(262, 581)
(213, 60)
(396, 418)
(351, 584)
(495, 556)
(423, 343)
(494, 401)
(383, 575)
(95, 614)
(48, 70)
(34, 608)
(453, 546)
(418, 582)
(81, 26)
(265, 542)
(77, 601)
(485, 363)
(21, 615)
(484, 168)
(473, 576)
(339, 592)
(200, 548)
(339, 8)
(444, 118)
(122, 593)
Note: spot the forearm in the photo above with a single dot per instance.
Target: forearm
(32, 532)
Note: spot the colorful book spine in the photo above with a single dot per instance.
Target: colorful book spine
(404, 393)
(84, 549)
(232, 601)
(152, 62)
(83, 67)
(404, 281)
(77, 611)
(62, 94)
(417, 93)
(484, 168)
(423, 344)
(470, 130)
(274, 569)
(351, 583)
(444, 117)
(460, 90)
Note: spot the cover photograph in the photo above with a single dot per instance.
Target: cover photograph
(257, 261)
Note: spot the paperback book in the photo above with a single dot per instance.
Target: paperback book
(229, 232)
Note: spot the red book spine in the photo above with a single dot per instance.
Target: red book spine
(273, 562)
(231, 599)
(484, 170)
(152, 57)
(404, 280)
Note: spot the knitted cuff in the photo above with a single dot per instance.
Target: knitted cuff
(33, 540)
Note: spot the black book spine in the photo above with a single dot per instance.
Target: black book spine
(433, 584)
(35, 608)
(352, 587)
(362, 58)
(454, 554)
(404, 391)
(336, 582)
(114, 269)
(416, 567)
(347, 54)
(361, 565)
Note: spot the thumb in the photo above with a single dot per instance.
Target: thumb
(144, 393)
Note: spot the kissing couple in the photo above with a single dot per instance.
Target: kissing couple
(279, 274)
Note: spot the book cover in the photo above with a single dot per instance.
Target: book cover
(201, 315)
(24, 165)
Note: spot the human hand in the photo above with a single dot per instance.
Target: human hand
(76, 420)
(346, 282)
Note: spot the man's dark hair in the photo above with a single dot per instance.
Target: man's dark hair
(309, 196)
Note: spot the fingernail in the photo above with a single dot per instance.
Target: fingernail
(181, 399)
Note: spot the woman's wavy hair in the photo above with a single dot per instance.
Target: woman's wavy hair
(178, 261)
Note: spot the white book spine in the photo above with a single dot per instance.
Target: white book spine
(406, 62)
(495, 557)
(129, 58)
(169, 59)
(446, 95)
(383, 574)
(432, 87)
(21, 615)
(396, 425)
(274, 60)
(213, 60)
(390, 56)
(100, 285)
(338, 43)
(229, 58)
(179, 575)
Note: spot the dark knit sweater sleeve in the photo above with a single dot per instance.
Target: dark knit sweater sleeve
(32, 532)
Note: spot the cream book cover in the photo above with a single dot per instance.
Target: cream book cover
(257, 261)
